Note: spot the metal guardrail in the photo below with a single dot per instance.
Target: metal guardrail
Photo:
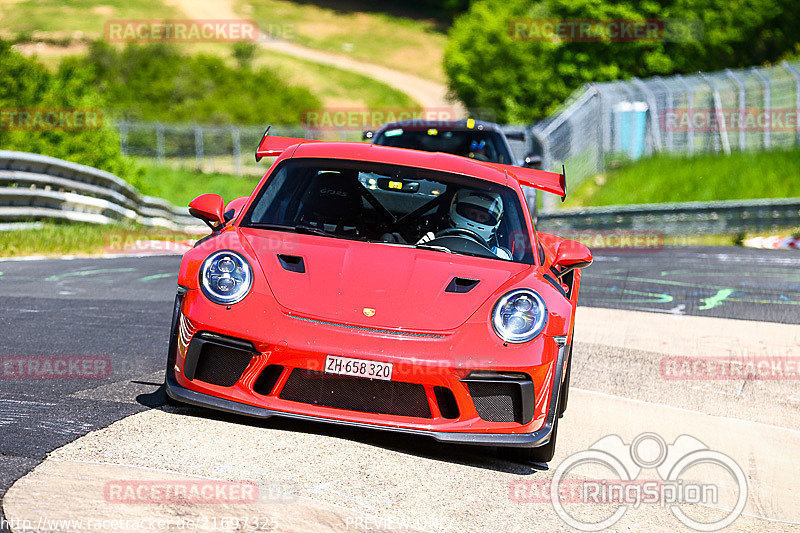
(37, 187)
(724, 217)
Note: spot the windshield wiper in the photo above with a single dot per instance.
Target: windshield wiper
(299, 228)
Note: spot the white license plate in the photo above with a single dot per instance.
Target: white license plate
(358, 367)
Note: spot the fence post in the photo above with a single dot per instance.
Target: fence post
(796, 76)
(690, 110)
(742, 110)
(123, 137)
(237, 150)
(767, 105)
(601, 141)
(160, 143)
(670, 107)
(547, 164)
(722, 128)
(199, 155)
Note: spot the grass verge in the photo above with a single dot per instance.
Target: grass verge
(54, 239)
(181, 185)
(703, 178)
(335, 87)
(77, 17)
(410, 45)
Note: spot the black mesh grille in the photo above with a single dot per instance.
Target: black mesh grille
(356, 394)
(447, 402)
(267, 380)
(221, 365)
(497, 402)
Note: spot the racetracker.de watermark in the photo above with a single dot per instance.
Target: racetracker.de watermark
(628, 240)
(730, 368)
(604, 30)
(648, 471)
(181, 31)
(750, 119)
(131, 242)
(180, 492)
(360, 118)
(50, 118)
(55, 367)
(143, 523)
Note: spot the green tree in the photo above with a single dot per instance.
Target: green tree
(526, 79)
(27, 85)
(156, 82)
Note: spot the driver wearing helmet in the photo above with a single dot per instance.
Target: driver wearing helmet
(477, 150)
(479, 213)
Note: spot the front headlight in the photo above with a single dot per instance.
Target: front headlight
(226, 277)
(519, 316)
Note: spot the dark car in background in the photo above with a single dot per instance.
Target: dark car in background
(476, 139)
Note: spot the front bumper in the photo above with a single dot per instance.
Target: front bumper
(468, 429)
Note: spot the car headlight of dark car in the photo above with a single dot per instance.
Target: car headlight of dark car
(519, 316)
(226, 277)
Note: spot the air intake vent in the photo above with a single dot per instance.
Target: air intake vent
(221, 365)
(496, 402)
(267, 380)
(461, 285)
(502, 396)
(356, 394)
(447, 402)
(292, 263)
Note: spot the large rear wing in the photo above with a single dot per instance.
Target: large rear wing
(539, 179)
(274, 145)
(552, 182)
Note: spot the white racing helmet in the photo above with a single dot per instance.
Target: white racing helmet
(478, 211)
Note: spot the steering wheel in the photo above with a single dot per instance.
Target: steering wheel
(463, 232)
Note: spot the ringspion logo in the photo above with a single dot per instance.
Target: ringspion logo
(591, 490)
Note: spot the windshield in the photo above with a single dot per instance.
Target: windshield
(392, 204)
(475, 144)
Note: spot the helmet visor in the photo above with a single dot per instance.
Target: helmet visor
(478, 214)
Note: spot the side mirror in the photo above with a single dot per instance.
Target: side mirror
(532, 161)
(209, 209)
(233, 208)
(571, 255)
(367, 135)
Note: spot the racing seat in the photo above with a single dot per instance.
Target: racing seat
(333, 202)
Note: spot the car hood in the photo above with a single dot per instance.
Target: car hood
(375, 285)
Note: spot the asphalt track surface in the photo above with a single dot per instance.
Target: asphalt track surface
(119, 309)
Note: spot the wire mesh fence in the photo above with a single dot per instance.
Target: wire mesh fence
(224, 149)
(600, 124)
(724, 111)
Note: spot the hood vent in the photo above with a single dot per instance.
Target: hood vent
(461, 285)
(292, 263)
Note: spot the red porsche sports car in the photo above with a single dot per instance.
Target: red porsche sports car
(385, 288)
